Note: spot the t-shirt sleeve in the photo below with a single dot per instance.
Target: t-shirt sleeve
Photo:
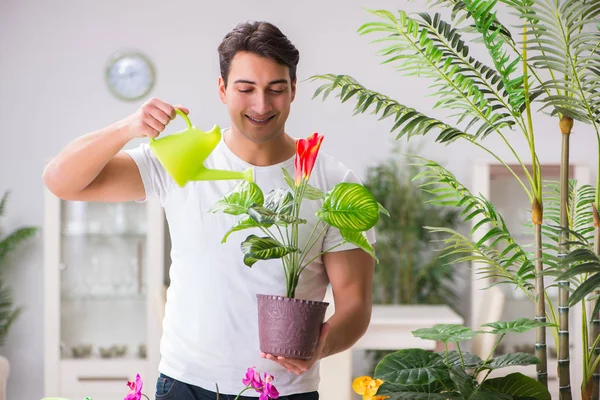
(333, 236)
(157, 182)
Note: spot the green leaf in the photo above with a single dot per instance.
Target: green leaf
(415, 367)
(280, 201)
(242, 224)
(519, 386)
(382, 210)
(263, 248)
(310, 192)
(469, 389)
(359, 239)
(520, 325)
(264, 216)
(511, 359)
(446, 333)
(350, 206)
(237, 201)
(15, 238)
(470, 360)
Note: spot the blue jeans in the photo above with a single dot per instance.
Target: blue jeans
(168, 388)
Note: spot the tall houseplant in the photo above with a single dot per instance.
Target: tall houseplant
(8, 311)
(556, 63)
(289, 326)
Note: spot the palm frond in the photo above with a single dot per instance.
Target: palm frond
(408, 121)
(484, 18)
(10, 242)
(504, 259)
(579, 210)
(459, 13)
(564, 45)
(432, 49)
(583, 261)
(456, 53)
(8, 313)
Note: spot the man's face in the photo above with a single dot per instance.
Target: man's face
(258, 96)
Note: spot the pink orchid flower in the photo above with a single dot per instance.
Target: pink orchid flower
(252, 379)
(268, 391)
(135, 389)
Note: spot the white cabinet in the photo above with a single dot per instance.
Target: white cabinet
(103, 285)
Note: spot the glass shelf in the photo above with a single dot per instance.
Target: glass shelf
(103, 295)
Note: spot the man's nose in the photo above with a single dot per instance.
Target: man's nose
(262, 104)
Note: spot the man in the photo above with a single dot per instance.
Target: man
(210, 330)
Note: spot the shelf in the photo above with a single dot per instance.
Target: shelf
(104, 298)
(142, 236)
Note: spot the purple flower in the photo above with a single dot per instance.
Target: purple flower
(135, 389)
(268, 391)
(253, 379)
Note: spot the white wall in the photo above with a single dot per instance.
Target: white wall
(52, 59)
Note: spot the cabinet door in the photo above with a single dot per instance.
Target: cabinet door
(103, 280)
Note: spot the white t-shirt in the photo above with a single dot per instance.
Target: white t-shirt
(210, 328)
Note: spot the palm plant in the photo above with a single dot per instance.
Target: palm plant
(556, 64)
(8, 312)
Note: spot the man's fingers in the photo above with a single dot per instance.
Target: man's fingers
(182, 108)
(165, 107)
(160, 115)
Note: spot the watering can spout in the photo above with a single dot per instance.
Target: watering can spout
(183, 154)
(206, 174)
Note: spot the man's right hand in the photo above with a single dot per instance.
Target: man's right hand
(93, 167)
(151, 118)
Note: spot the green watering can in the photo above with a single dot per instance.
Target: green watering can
(182, 154)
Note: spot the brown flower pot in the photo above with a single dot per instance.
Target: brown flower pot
(289, 327)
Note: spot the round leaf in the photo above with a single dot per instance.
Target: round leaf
(446, 333)
(414, 367)
(350, 206)
(520, 325)
(518, 386)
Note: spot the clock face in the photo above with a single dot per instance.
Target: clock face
(130, 76)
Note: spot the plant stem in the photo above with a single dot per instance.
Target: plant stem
(564, 377)
(540, 309)
(447, 354)
(246, 388)
(491, 355)
(595, 321)
(319, 255)
(462, 360)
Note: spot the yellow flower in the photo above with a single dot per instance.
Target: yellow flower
(367, 387)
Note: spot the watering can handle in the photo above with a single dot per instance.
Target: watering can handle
(184, 115)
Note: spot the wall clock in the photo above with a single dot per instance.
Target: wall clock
(130, 76)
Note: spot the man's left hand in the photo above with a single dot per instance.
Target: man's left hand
(298, 366)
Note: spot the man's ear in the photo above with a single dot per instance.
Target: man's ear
(222, 90)
(294, 89)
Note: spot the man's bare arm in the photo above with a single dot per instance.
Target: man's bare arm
(351, 275)
(93, 167)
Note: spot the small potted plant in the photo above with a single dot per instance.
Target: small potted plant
(289, 326)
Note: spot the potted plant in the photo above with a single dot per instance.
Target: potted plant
(276, 216)
(8, 311)
(420, 374)
(555, 63)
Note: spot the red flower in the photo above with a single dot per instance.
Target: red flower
(306, 155)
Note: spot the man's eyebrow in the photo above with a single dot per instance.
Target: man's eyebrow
(254, 83)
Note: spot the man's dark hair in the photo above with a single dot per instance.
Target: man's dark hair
(261, 38)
